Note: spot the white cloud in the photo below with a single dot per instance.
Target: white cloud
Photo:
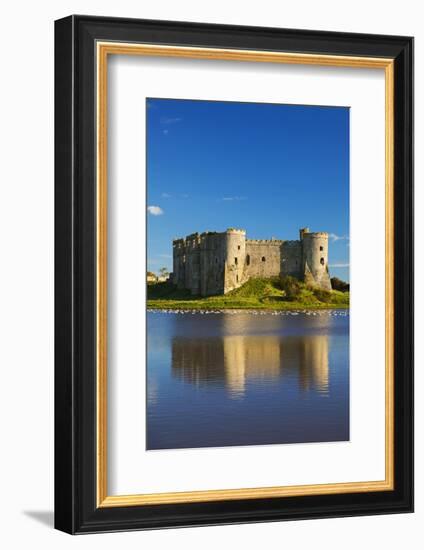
(166, 195)
(155, 210)
(170, 120)
(234, 198)
(339, 265)
(165, 256)
(335, 237)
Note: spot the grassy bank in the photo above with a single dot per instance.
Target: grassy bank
(274, 294)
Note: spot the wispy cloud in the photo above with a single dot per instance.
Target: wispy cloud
(165, 256)
(165, 132)
(176, 196)
(236, 198)
(155, 210)
(339, 265)
(166, 121)
(335, 237)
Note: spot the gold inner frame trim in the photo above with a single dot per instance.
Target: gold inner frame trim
(104, 49)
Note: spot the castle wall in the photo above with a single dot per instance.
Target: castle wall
(178, 270)
(212, 263)
(291, 259)
(263, 258)
(192, 263)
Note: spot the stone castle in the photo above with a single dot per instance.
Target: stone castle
(215, 263)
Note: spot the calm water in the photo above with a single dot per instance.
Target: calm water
(246, 379)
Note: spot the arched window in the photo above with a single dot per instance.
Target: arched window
(263, 258)
(248, 259)
(322, 261)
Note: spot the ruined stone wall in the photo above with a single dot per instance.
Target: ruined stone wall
(199, 263)
(192, 263)
(291, 259)
(263, 258)
(212, 263)
(178, 269)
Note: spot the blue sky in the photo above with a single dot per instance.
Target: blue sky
(269, 169)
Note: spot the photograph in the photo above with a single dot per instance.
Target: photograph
(233, 266)
(247, 277)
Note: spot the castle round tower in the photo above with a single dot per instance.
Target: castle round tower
(235, 258)
(315, 258)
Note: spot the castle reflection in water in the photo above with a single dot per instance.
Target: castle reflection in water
(236, 360)
(247, 378)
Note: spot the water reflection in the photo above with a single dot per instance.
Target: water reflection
(236, 360)
(216, 380)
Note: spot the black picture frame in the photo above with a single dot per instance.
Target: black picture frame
(76, 510)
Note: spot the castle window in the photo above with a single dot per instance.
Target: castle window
(321, 248)
(263, 258)
(248, 259)
(235, 261)
(237, 278)
(238, 247)
(321, 261)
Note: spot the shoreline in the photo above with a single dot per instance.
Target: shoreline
(153, 306)
(257, 295)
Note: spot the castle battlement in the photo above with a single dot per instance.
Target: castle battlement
(193, 237)
(232, 230)
(316, 234)
(291, 243)
(178, 242)
(277, 242)
(208, 233)
(213, 262)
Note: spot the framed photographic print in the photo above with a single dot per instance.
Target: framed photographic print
(234, 260)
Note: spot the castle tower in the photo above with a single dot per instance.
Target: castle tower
(192, 263)
(212, 263)
(315, 258)
(179, 258)
(235, 258)
(302, 231)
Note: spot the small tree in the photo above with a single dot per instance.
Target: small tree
(291, 286)
(338, 284)
(163, 272)
(322, 295)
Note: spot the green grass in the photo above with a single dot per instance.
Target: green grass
(257, 293)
